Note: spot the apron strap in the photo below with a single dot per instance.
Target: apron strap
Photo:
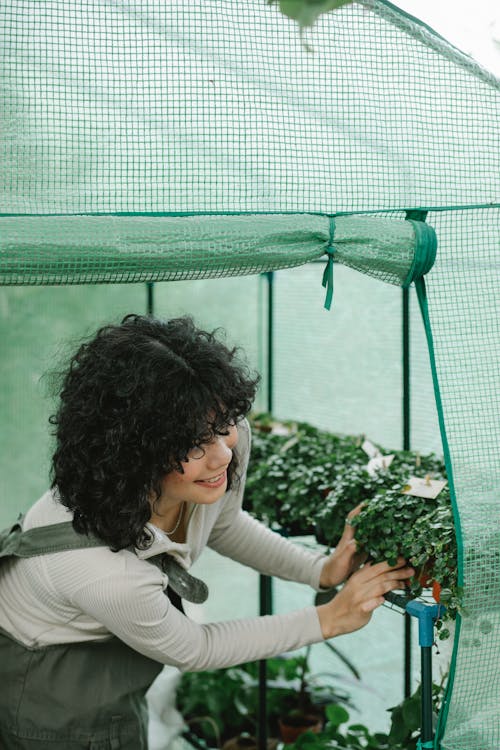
(61, 537)
(179, 580)
(44, 540)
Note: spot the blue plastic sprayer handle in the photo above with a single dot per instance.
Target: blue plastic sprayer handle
(427, 615)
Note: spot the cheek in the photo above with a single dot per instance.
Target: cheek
(176, 480)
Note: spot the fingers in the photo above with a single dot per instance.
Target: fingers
(388, 582)
(348, 532)
(377, 580)
(372, 570)
(364, 591)
(354, 512)
(371, 604)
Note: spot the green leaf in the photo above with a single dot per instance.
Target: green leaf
(412, 712)
(398, 731)
(336, 714)
(306, 12)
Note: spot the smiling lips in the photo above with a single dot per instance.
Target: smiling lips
(214, 482)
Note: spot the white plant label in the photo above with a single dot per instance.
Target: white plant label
(370, 450)
(377, 463)
(424, 487)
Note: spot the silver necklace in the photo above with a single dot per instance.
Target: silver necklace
(172, 531)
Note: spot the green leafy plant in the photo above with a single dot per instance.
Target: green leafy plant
(216, 704)
(295, 691)
(406, 717)
(352, 484)
(291, 470)
(393, 523)
(304, 480)
(403, 734)
(335, 737)
(220, 704)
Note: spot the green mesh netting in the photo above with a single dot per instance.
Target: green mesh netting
(131, 112)
(90, 249)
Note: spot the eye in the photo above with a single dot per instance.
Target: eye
(196, 452)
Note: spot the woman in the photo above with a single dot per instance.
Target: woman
(149, 466)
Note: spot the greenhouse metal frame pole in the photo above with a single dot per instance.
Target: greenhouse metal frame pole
(265, 582)
(406, 447)
(150, 301)
(415, 215)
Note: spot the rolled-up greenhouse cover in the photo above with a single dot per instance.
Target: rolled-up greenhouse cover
(93, 249)
(192, 138)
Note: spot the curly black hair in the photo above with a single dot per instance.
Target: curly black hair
(134, 401)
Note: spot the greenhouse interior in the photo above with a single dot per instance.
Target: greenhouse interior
(321, 185)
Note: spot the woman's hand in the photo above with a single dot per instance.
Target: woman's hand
(352, 608)
(345, 559)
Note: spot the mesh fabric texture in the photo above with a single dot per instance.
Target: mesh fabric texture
(92, 249)
(148, 109)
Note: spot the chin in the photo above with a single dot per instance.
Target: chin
(211, 497)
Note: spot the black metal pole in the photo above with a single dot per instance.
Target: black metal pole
(150, 302)
(265, 583)
(427, 733)
(270, 341)
(406, 447)
(266, 606)
(406, 369)
(415, 215)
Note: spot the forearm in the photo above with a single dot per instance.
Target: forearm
(249, 542)
(146, 621)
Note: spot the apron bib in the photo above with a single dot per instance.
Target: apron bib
(70, 696)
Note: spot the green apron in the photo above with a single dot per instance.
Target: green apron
(78, 695)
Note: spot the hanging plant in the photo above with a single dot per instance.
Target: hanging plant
(304, 481)
(393, 523)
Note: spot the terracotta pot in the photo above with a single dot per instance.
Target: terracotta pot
(425, 577)
(427, 581)
(436, 591)
(293, 727)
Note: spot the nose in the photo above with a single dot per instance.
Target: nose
(218, 453)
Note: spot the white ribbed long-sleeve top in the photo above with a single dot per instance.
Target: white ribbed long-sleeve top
(90, 594)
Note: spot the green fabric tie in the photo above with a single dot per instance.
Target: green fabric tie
(328, 272)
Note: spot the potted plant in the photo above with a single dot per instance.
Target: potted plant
(221, 706)
(339, 735)
(296, 697)
(335, 736)
(215, 704)
(393, 523)
(307, 480)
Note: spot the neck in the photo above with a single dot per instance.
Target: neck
(168, 519)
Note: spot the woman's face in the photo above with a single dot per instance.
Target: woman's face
(204, 479)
